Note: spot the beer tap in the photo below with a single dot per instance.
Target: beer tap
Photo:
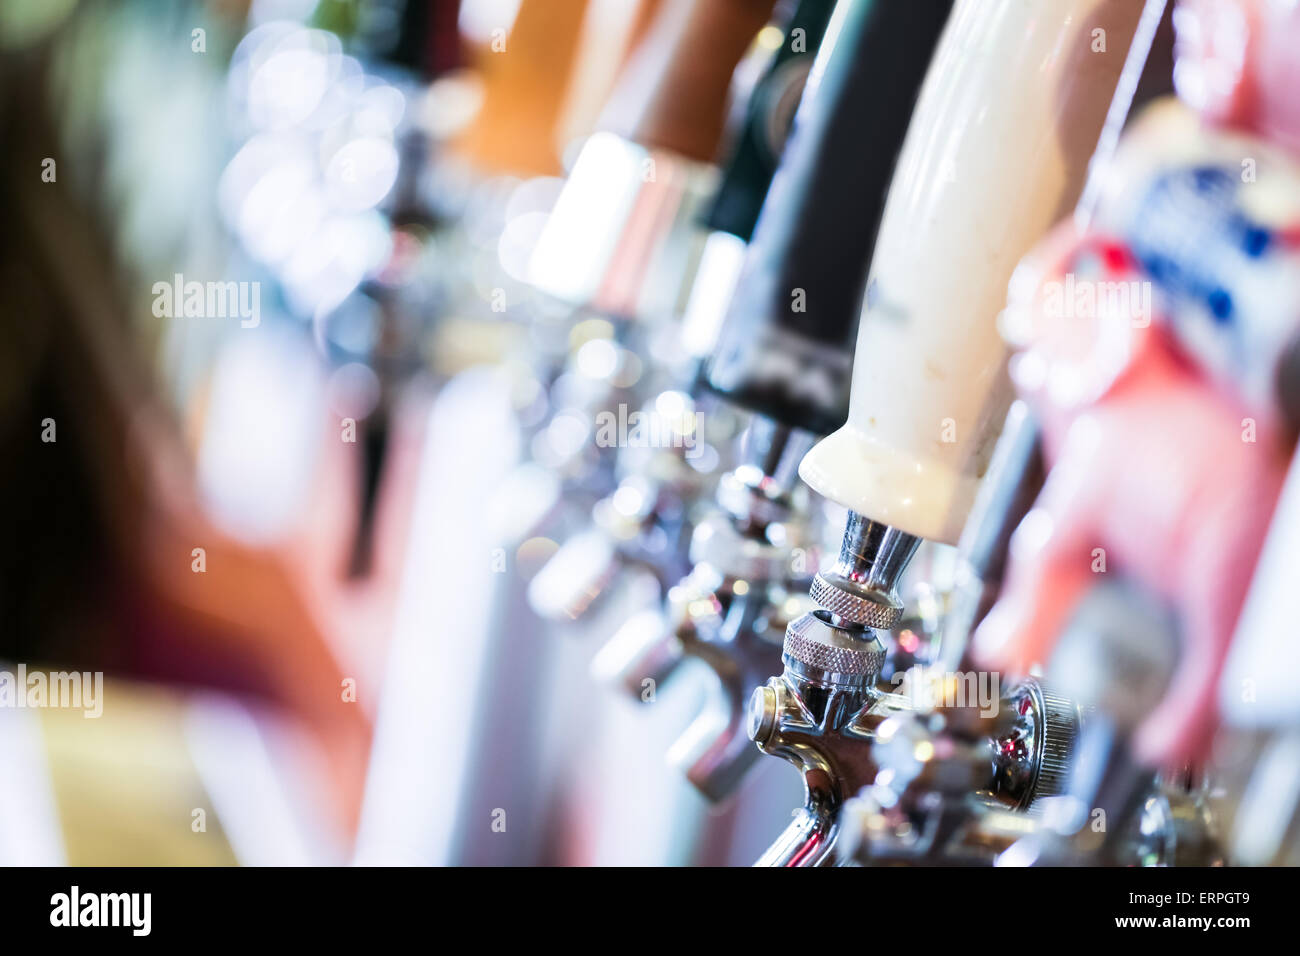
(619, 240)
(1117, 656)
(673, 486)
(1178, 218)
(731, 610)
(1047, 778)
(620, 245)
(929, 389)
(954, 782)
(1201, 350)
(667, 479)
(789, 326)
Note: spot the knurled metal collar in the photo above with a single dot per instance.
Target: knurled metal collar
(815, 644)
(867, 608)
(1060, 729)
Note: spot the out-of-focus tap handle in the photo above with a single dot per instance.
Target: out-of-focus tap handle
(426, 41)
(1205, 263)
(1014, 479)
(1237, 65)
(1258, 684)
(787, 343)
(374, 452)
(1210, 220)
(1117, 656)
(641, 655)
(759, 143)
(673, 93)
(1288, 386)
(769, 115)
(715, 752)
(524, 90)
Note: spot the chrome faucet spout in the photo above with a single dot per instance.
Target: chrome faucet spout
(807, 841)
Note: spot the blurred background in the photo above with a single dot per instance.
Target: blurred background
(385, 486)
(283, 429)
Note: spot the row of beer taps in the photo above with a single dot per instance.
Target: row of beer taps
(1051, 458)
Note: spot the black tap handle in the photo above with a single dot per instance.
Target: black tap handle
(786, 348)
(769, 115)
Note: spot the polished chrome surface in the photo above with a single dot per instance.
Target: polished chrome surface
(715, 752)
(751, 564)
(873, 556)
(818, 650)
(862, 587)
(774, 451)
(954, 784)
(1032, 758)
(820, 716)
(1014, 478)
(821, 712)
(871, 609)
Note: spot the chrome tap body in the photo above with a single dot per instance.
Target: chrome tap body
(753, 558)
